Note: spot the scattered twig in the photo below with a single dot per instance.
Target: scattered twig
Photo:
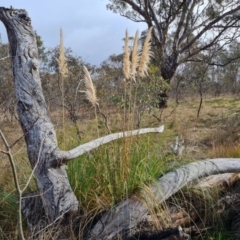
(17, 185)
(105, 119)
(16, 182)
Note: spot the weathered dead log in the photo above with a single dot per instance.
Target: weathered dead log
(122, 218)
(220, 181)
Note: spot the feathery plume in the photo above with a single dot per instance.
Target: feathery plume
(90, 90)
(126, 61)
(63, 72)
(61, 61)
(135, 57)
(145, 57)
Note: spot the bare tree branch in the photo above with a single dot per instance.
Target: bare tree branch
(78, 151)
(208, 27)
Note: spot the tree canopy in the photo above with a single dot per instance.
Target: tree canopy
(183, 28)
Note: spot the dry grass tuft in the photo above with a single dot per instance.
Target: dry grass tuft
(146, 55)
(228, 150)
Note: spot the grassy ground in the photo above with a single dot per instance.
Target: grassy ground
(110, 173)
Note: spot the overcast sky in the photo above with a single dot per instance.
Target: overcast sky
(89, 29)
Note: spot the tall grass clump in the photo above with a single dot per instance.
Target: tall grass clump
(8, 210)
(98, 177)
(134, 65)
(107, 175)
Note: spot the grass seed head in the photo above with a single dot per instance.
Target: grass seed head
(146, 55)
(126, 61)
(90, 90)
(135, 57)
(61, 61)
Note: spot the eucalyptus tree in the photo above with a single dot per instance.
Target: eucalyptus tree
(229, 75)
(179, 24)
(110, 80)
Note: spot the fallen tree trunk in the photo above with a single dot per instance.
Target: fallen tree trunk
(122, 218)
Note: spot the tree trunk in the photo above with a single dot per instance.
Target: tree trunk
(168, 69)
(56, 193)
(200, 102)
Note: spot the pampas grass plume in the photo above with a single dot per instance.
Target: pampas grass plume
(146, 55)
(126, 61)
(135, 57)
(90, 90)
(61, 61)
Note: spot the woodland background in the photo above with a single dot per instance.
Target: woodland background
(203, 112)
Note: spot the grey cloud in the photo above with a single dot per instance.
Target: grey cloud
(89, 29)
